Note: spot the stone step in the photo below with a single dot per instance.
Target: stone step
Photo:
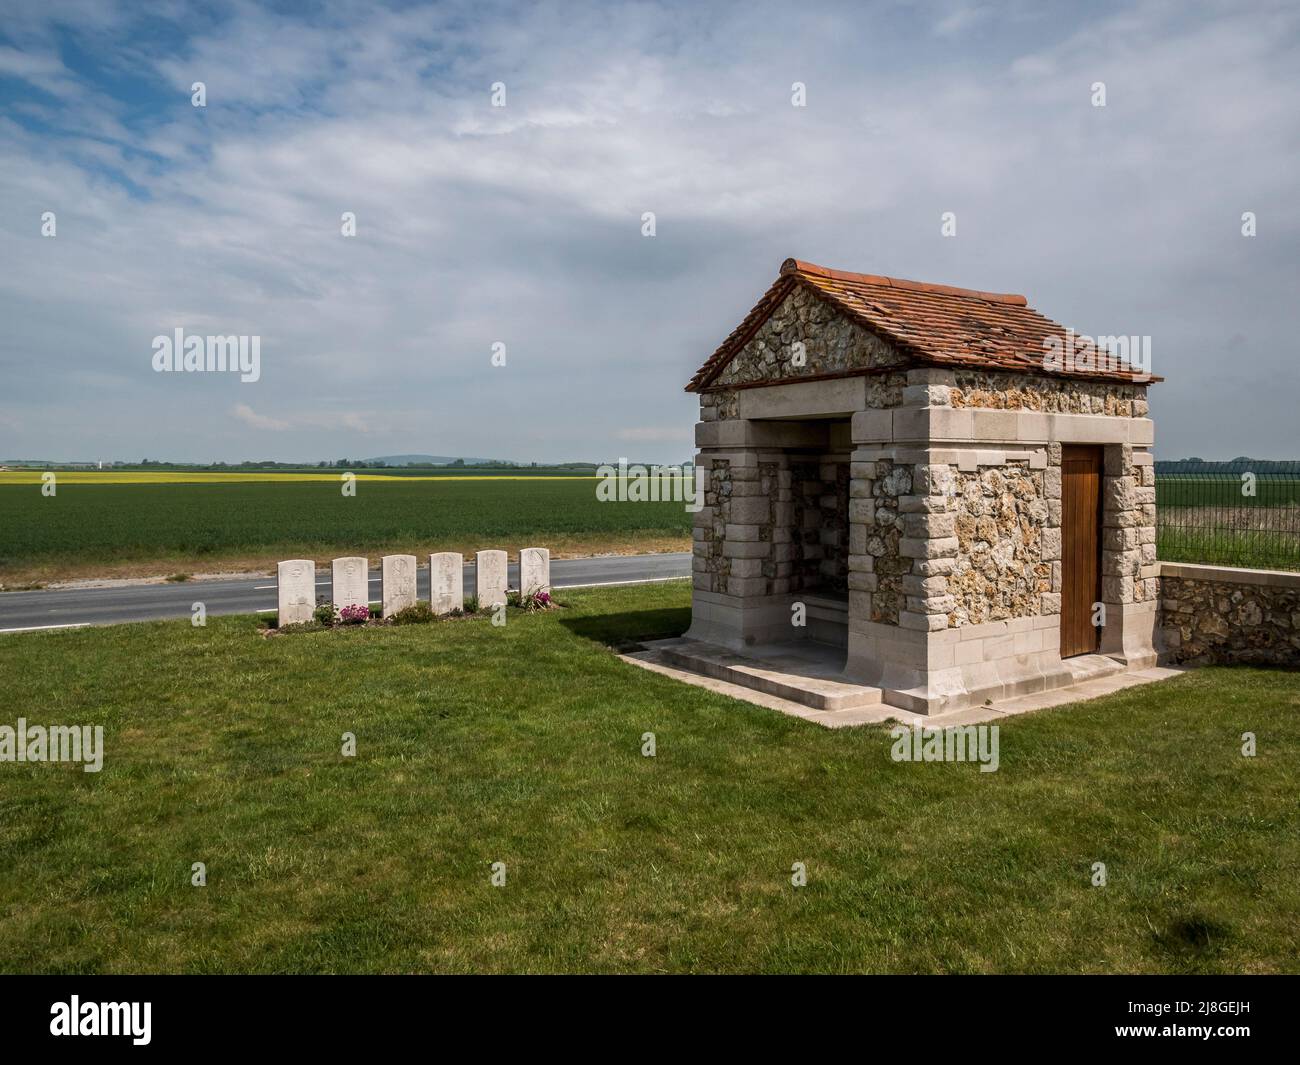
(791, 677)
(1091, 667)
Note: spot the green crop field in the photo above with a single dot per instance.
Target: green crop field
(131, 523)
(192, 527)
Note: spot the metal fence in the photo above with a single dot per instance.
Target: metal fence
(1231, 514)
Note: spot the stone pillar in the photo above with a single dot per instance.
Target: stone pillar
(733, 564)
(898, 561)
(744, 540)
(1130, 583)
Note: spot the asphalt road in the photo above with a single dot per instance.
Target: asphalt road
(67, 607)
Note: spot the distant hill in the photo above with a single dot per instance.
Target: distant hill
(423, 460)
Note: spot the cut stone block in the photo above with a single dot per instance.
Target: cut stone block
(446, 582)
(398, 583)
(490, 578)
(534, 570)
(295, 583)
(349, 582)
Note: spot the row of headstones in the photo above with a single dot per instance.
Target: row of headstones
(296, 582)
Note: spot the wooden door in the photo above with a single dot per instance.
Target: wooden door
(1080, 548)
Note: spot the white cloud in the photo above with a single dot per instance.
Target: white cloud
(43, 71)
(242, 412)
(347, 420)
(961, 18)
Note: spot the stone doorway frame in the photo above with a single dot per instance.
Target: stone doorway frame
(748, 584)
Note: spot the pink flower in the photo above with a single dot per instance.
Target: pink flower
(354, 615)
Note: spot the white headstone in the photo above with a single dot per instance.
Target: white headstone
(295, 583)
(490, 578)
(398, 583)
(350, 582)
(534, 571)
(446, 582)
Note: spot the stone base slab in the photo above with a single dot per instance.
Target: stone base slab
(803, 673)
(931, 673)
(1000, 710)
(740, 622)
(953, 669)
(1129, 635)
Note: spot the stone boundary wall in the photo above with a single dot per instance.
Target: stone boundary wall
(1217, 614)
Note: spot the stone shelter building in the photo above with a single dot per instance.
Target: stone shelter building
(930, 491)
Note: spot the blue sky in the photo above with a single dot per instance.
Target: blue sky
(522, 224)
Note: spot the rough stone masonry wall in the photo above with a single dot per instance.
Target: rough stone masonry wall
(1129, 567)
(1003, 568)
(743, 542)
(821, 522)
(1252, 619)
(718, 406)
(1052, 395)
(831, 342)
(877, 564)
(931, 545)
(935, 547)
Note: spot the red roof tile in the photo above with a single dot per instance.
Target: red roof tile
(935, 325)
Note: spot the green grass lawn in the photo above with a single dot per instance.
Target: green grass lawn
(522, 745)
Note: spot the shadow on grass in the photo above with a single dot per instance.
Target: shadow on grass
(1192, 936)
(623, 631)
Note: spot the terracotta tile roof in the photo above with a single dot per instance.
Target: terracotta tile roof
(936, 325)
